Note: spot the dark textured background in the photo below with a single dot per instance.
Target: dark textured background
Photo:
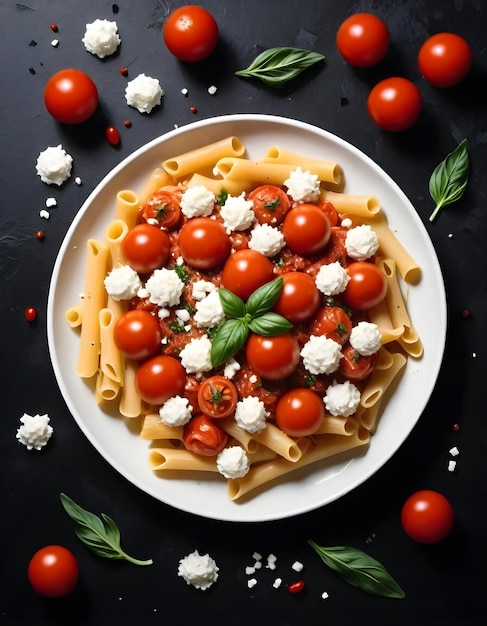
(445, 583)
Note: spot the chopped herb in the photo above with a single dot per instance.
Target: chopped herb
(342, 329)
(272, 204)
(176, 327)
(222, 196)
(183, 274)
(310, 380)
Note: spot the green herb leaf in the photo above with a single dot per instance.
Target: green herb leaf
(277, 66)
(264, 298)
(270, 324)
(228, 340)
(232, 305)
(101, 536)
(449, 179)
(359, 570)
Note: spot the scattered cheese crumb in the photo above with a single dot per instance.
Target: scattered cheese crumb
(271, 561)
(50, 202)
(212, 90)
(249, 570)
(77, 180)
(55, 43)
(251, 583)
(297, 566)
(44, 214)
(277, 583)
(184, 91)
(257, 556)
(452, 465)
(454, 451)
(325, 595)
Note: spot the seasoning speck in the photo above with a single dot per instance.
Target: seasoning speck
(54, 28)
(343, 101)
(30, 313)
(40, 235)
(127, 123)
(32, 43)
(32, 70)
(115, 8)
(124, 70)
(55, 43)
(193, 109)
(456, 427)
(77, 180)
(465, 313)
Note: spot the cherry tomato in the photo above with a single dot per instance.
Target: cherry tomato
(332, 322)
(245, 271)
(330, 212)
(427, 516)
(202, 436)
(137, 334)
(354, 366)
(190, 33)
(159, 379)
(146, 248)
(394, 104)
(217, 396)
(299, 298)
(299, 412)
(71, 96)
(272, 357)
(363, 39)
(271, 204)
(306, 229)
(367, 286)
(163, 206)
(53, 571)
(30, 313)
(445, 59)
(112, 135)
(204, 243)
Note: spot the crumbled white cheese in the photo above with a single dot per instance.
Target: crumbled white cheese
(44, 214)
(452, 465)
(196, 355)
(54, 165)
(325, 595)
(55, 43)
(251, 583)
(332, 279)
(35, 431)
(122, 283)
(183, 315)
(303, 186)
(454, 451)
(78, 181)
(101, 38)
(250, 414)
(198, 570)
(201, 288)
(237, 213)
(271, 561)
(176, 411)
(277, 583)
(366, 338)
(184, 91)
(361, 242)
(266, 239)
(164, 287)
(143, 93)
(51, 202)
(197, 201)
(249, 570)
(209, 311)
(232, 366)
(212, 90)
(321, 355)
(342, 398)
(297, 566)
(233, 462)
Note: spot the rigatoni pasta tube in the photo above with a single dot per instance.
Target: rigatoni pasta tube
(111, 362)
(130, 401)
(74, 315)
(159, 178)
(215, 185)
(253, 171)
(275, 439)
(354, 205)
(337, 425)
(204, 157)
(127, 207)
(154, 428)
(93, 301)
(327, 171)
(114, 235)
(180, 459)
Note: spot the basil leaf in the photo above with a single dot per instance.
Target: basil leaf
(228, 340)
(270, 324)
(359, 570)
(449, 179)
(277, 66)
(101, 536)
(263, 298)
(232, 305)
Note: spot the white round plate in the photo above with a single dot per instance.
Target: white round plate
(310, 487)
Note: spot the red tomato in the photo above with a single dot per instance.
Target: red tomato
(354, 366)
(146, 248)
(271, 204)
(330, 212)
(190, 33)
(299, 298)
(299, 412)
(272, 357)
(137, 334)
(217, 396)
(71, 96)
(112, 135)
(445, 59)
(332, 322)
(204, 243)
(306, 229)
(159, 379)
(53, 571)
(394, 104)
(245, 271)
(164, 207)
(427, 516)
(202, 436)
(367, 286)
(363, 39)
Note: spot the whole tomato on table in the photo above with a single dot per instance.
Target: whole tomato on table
(190, 33)
(71, 96)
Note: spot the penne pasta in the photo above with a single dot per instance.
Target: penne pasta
(272, 437)
(327, 171)
(111, 362)
(74, 316)
(232, 168)
(337, 425)
(127, 207)
(130, 401)
(154, 428)
(114, 235)
(159, 178)
(217, 185)
(353, 205)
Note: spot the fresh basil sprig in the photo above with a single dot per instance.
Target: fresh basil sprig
(449, 179)
(102, 536)
(277, 66)
(359, 570)
(253, 315)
